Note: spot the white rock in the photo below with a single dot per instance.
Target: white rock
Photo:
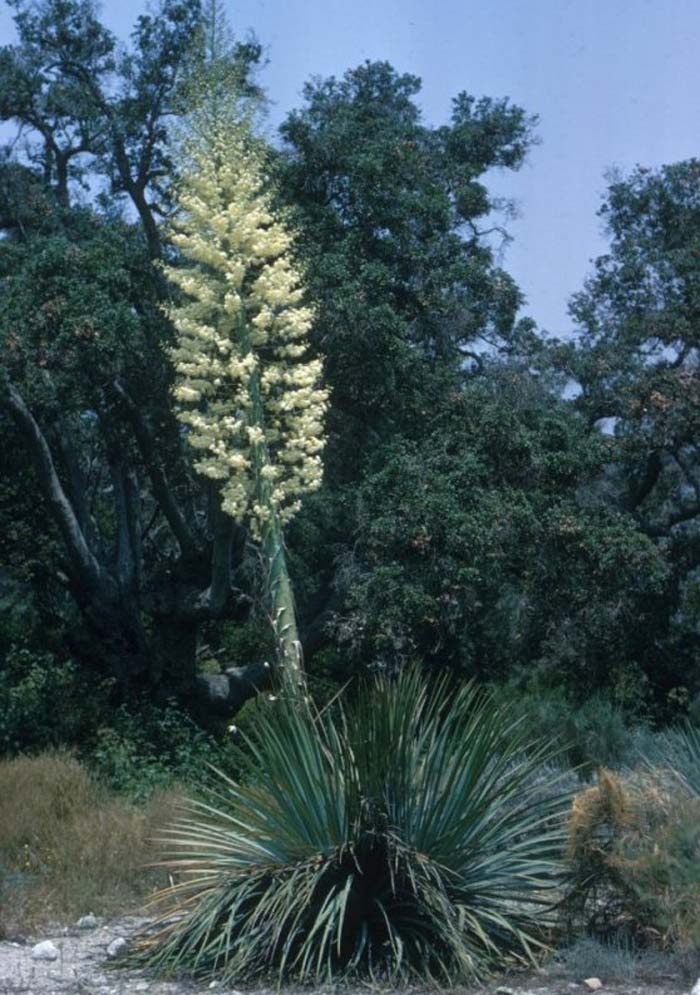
(504, 990)
(45, 950)
(695, 990)
(87, 922)
(593, 984)
(117, 947)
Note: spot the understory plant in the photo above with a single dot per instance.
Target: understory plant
(400, 837)
(634, 857)
(678, 750)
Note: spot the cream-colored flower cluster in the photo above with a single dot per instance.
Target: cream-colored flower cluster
(251, 400)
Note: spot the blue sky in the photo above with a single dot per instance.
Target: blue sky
(615, 83)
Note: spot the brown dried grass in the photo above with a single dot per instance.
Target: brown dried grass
(69, 847)
(634, 858)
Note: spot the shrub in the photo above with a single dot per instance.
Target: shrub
(67, 846)
(44, 701)
(397, 839)
(241, 643)
(149, 749)
(634, 847)
(617, 960)
(599, 897)
(664, 869)
(592, 733)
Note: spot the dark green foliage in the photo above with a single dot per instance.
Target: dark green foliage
(479, 548)
(46, 698)
(636, 362)
(45, 701)
(399, 838)
(389, 208)
(603, 730)
(470, 518)
(239, 643)
(143, 748)
(49, 701)
(103, 517)
(77, 311)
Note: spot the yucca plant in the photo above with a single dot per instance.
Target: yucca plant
(399, 838)
(678, 750)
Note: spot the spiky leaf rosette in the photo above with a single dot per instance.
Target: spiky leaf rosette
(404, 838)
(248, 394)
(678, 750)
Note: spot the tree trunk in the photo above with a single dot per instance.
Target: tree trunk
(113, 641)
(174, 656)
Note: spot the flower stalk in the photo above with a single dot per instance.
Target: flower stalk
(248, 395)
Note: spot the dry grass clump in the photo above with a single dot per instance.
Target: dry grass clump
(634, 852)
(68, 847)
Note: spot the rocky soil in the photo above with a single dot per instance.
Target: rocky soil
(84, 960)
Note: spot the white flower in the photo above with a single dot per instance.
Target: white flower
(241, 338)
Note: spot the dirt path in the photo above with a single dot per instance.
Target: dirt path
(82, 967)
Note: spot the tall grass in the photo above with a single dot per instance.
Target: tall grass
(400, 838)
(68, 847)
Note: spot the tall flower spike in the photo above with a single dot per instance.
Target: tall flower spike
(249, 397)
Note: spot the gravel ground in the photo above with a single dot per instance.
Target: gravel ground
(83, 967)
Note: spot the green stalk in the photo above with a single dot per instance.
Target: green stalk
(283, 612)
(278, 585)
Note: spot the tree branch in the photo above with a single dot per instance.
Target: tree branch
(225, 694)
(126, 553)
(134, 188)
(688, 472)
(643, 486)
(156, 473)
(83, 562)
(77, 484)
(677, 518)
(220, 588)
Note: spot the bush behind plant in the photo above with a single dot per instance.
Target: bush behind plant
(634, 852)
(45, 701)
(678, 749)
(592, 733)
(145, 748)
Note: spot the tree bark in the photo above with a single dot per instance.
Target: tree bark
(84, 564)
(114, 597)
(161, 488)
